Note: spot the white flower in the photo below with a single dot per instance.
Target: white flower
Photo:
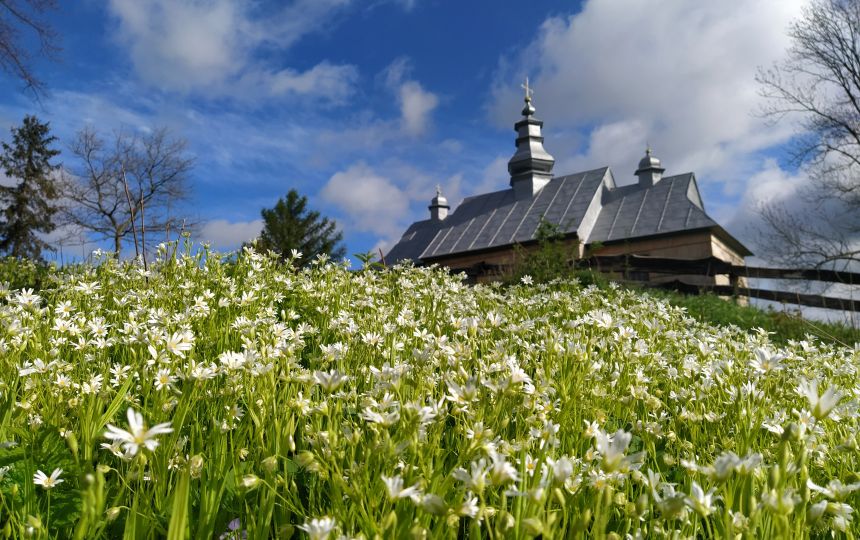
(329, 381)
(433, 504)
(502, 472)
(469, 507)
(179, 343)
(232, 360)
(834, 490)
(394, 484)
(48, 482)
(701, 502)
(612, 449)
(766, 360)
(36, 366)
(163, 379)
(723, 466)
(821, 405)
(139, 435)
(26, 298)
(562, 468)
(319, 528)
(476, 479)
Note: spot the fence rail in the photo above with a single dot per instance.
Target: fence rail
(712, 266)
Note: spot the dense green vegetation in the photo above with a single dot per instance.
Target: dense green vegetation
(255, 399)
(781, 325)
(551, 261)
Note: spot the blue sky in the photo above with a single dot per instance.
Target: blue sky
(365, 106)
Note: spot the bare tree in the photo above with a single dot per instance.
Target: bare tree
(127, 186)
(20, 22)
(818, 85)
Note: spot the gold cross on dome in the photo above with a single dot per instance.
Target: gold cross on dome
(529, 91)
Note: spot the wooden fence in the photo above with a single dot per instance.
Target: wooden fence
(630, 265)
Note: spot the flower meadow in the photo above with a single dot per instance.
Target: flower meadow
(211, 397)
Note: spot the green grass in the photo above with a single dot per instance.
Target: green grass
(782, 325)
(242, 397)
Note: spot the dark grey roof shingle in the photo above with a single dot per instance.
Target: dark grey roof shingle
(631, 211)
(499, 219)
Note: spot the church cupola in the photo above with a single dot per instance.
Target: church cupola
(650, 171)
(439, 206)
(531, 165)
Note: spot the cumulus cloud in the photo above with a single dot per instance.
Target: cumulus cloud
(384, 204)
(770, 185)
(227, 235)
(333, 81)
(183, 43)
(214, 45)
(679, 76)
(416, 103)
(372, 202)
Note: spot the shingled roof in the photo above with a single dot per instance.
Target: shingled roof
(587, 205)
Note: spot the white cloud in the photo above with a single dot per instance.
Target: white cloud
(416, 104)
(372, 202)
(494, 177)
(333, 81)
(771, 184)
(183, 44)
(227, 235)
(214, 46)
(385, 204)
(679, 75)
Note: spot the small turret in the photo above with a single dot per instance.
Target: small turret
(650, 170)
(531, 165)
(439, 206)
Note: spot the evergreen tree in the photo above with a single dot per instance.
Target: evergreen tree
(28, 206)
(290, 225)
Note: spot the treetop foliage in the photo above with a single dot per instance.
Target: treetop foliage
(28, 205)
(290, 225)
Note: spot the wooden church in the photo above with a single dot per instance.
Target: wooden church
(658, 216)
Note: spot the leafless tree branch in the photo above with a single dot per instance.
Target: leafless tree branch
(115, 182)
(818, 85)
(19, 20)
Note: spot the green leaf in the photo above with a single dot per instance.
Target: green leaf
(113, 408)
(178, 527)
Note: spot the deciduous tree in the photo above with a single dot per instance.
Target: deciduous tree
(818, 85)
(22, 22)
(127, 187)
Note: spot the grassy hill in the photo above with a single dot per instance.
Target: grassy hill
(247, 398)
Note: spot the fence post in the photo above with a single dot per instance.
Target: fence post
(733, 281)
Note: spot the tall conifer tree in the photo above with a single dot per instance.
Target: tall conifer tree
(290, 225)
(28, 206)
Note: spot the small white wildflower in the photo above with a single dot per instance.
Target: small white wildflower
(702, 503)
(822, 404)
(394, 485)
(319, 528)
(139, 435)
(329, 381)
(48, 482)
